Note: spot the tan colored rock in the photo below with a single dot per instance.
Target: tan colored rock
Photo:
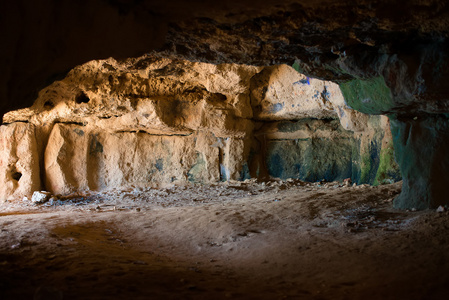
(19, 161)
(351, 119)
(153, 121)
(77, 159)
(235, 154)
(164, 96)
(158, 96)
(281, 93)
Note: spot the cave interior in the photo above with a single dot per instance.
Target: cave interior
(346, 101)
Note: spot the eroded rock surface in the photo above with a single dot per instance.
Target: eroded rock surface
(151, 122)
(19, 161)
(389, 57)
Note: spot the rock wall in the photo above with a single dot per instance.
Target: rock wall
(422, 143)
(19, 161)
(152, 121)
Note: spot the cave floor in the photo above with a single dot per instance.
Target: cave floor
(279, 240)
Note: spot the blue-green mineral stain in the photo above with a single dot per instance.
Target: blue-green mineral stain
(276, 165)
(420, 148)
(159, 164)
(303, 81)
(274, 108)
(194, 173)
(245, 173)
(78, 131)
(224, 173)
(370, 96)
(94, 145)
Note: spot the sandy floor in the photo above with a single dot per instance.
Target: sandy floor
(279, 240)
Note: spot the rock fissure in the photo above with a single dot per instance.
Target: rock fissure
(149, 133)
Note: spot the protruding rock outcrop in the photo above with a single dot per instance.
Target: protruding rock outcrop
(152, 121)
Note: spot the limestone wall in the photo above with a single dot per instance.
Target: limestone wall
(152, 121)
(19, 161)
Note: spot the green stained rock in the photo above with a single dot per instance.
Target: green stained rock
(421, 148)
(388, 170)
(297, 67)
(312, 150)
(370, 96)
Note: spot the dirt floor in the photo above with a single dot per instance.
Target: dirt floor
(250, 240)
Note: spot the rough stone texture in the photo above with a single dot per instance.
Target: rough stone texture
(148, 94)
(373, 153)
(282, 93)
(311, 150)
(150, 122)
(76, 159)
(275, 92)
(19, 161)
(421, 145)
(363, 46)
(401, 43)
(388, 56)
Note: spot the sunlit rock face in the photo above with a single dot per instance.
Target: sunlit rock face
(19, 161)
(152, 121)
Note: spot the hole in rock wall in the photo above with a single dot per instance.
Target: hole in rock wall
(16, 176)
(81, 97)
(48, 105)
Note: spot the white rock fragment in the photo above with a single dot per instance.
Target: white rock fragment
(40, 197)
(441, 209)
